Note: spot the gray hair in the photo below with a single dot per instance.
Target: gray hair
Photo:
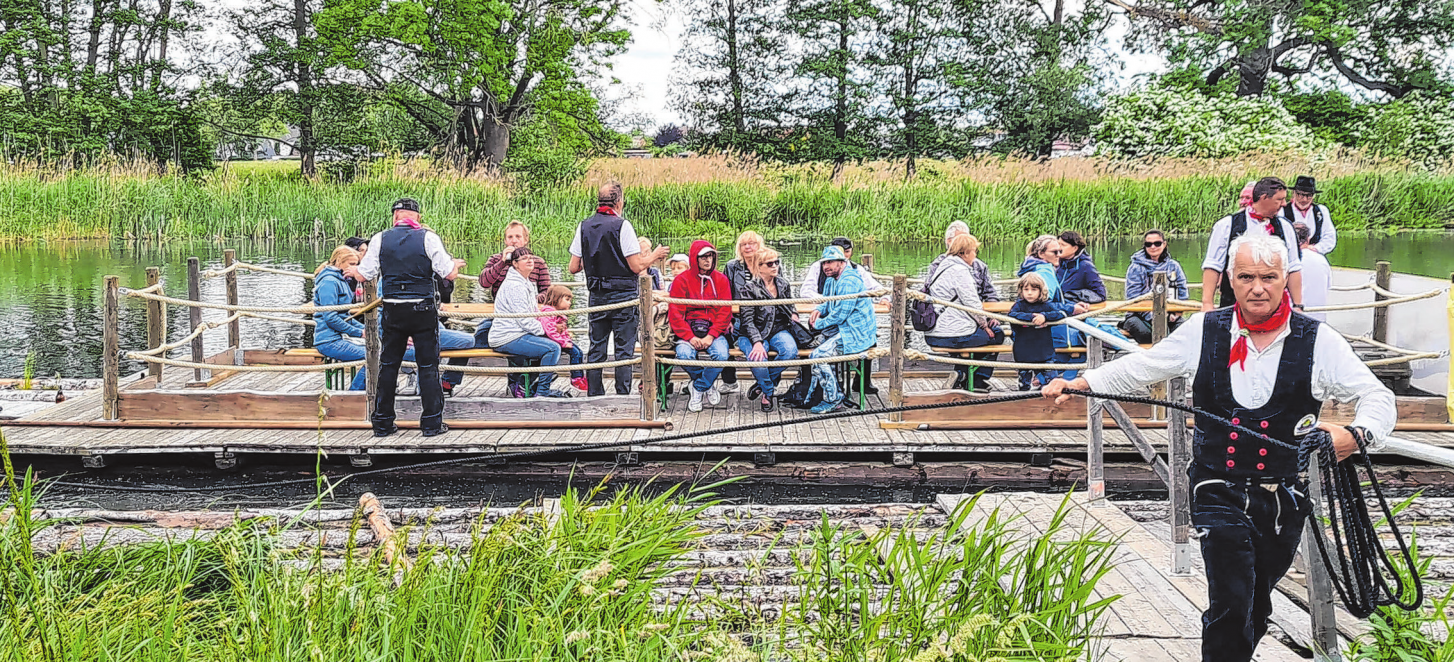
(1263, 249)
(1038, 246)
(954, 230)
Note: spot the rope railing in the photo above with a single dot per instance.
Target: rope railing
(268, 270)
(201, 328)
(273, 318)
(215, 273)
(302, 310)
(1401, 298)
(229, 367)
(914, 354)
(630, 303)
(867, 355)
(510, 370)
(920, 296)
(871, 294)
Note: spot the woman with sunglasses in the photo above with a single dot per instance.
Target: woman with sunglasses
(763, 328)
(1154, 256)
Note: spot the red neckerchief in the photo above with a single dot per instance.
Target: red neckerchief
(409, 222)
(1279, 318)
(606, 209)
(1265, 220)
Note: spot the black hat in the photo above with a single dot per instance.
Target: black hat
(407, 204)
(1306, 184)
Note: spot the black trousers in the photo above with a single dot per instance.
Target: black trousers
(1138, 326)
(403, 321)
(623, 324)
(1249, 535)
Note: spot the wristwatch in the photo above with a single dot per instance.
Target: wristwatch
(1361, 435)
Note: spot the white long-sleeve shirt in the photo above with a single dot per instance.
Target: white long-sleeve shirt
(1338, 374)
(439, 260)
(1330, 236)
(1222, 240)
(810, 280)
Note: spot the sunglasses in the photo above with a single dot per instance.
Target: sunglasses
(774, 263)
(1154, 244)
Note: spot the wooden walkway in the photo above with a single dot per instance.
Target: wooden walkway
(1157, 616)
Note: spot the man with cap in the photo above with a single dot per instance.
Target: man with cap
(1259, 365)
(857, 330)
(1263, 216)
(605, 246)
(1304, 209)
(814, 282)
(406, 259)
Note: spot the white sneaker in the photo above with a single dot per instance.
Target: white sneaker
(714, 397)
(727, 388)
(408, 384)
(695, 404)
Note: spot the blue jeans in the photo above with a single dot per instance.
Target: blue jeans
(1065, 336)
(576, 358)
(343, 350)
(451, 339)
(823, 372)
(535, 347)
(786, 347)
(482, 341)
(980, 379)
(1044, 375)
(703, 378)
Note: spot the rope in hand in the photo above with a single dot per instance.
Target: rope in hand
(1364, 576)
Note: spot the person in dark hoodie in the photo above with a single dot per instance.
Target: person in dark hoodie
(1042, 257)
(1155, 256)
(1033, 343)
(1079, 279)
(702, 328)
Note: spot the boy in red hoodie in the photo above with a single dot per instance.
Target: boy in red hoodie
(701, 328)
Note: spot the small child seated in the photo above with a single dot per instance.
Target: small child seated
(1033, 343)
(656, 282)
(559, 298)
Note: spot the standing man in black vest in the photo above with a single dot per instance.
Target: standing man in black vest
(1304, 209)
(606, 248)
(406, 258)
(1263, 366)
(1261, 217)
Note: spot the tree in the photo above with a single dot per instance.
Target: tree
(830, 102)
(477, 68)
(917, 53)
(733, 56)
(670, 134)
(1388, 46)
(284, 62)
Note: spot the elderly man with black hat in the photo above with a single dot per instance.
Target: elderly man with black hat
(1305, 210)
(1260, 365)
(406, 258)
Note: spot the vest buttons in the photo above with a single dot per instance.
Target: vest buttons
(1236, 421)
(1231, 464)
(1233, 436)
(1262, 452)
(1261, 466)
(1231, 450)
(1264, 425)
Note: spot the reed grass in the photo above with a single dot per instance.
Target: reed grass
(714, 197)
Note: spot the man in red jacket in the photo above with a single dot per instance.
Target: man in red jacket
(702, 328)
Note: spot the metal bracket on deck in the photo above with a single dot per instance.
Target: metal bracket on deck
(629, 459)
(225, 460)
(361, 459)
(764, 459)
(1180, 559)
(903, 459)
(93, 461)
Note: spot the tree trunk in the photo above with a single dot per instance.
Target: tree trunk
(93, 40)
(840, 105)
(1252, 70)
(306, 149)
(164, 24)
(734, 70)
(495, 144)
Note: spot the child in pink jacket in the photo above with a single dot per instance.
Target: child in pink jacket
(559, 298)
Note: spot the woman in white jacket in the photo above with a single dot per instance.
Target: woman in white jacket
(524, 337)
(954, 281)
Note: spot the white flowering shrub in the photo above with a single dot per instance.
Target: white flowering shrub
(1418, 127)
(1163, 121)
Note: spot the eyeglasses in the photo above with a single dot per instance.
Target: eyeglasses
(774, 263)
(1154, 244)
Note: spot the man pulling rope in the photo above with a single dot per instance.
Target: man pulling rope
(1259, 365)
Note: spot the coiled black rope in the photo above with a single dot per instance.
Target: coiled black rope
(1362, 577)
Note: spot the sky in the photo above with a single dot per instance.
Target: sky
(645, 69)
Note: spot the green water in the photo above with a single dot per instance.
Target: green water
(50, 292)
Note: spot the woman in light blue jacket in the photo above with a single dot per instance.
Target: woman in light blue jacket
(335, 335)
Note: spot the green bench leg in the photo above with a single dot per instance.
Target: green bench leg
(663, 377)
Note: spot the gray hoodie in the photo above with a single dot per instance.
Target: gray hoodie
(516, 295)
(954, 281)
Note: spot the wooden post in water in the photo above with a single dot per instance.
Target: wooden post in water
(1320, 587)
(1383, 277)
(111, 348)
(194, 314)
(867, 262)
(156, 322)
(898, 342)
(645, 311)
(234, 329)
(1178, 459)
(1160, 287)
(372, 344)
(1095, 430)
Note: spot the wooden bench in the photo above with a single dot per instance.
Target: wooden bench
(860, 368)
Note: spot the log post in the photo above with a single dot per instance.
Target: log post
(194, 315)
(867, 262)
(1383, 278)
(372, 344)
(1095, 430)
(1178, 460)
(111, 348)
(1320, 587)
(234, 329)
(898, 342)
(1160, 292)
(373, 512)
(156, 322)
(645, 311)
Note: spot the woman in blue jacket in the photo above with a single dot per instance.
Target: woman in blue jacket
(1079, 279)
(334, 334)
(1155, 256)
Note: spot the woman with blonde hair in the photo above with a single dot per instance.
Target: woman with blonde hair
(739, 275)
(763, 328)
(335, 335)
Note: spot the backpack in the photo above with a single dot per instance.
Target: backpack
(922, 314)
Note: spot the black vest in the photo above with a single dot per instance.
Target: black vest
(404, 266)
(1289, 414)
(1239, 226)
(1317, 223)
(605, 266)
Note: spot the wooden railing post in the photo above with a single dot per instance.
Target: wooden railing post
(1095, 430)
(645, 311)
(867, 261)
(156, 322)
(1160, 289)
(1320, 587)
(111, 348)
(1383, 278)
(194, 315)
(372, 344)
(234, 329)
(898, 342)
(1178, 460)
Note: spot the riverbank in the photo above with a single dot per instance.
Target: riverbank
(709, 196)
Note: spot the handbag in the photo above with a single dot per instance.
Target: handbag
(922, 314)
(804, 337)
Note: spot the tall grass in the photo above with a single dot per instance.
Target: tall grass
(709, 196)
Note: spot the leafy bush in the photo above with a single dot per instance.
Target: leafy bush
(1163, 121)
(1418, 127)
(1332, 116)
